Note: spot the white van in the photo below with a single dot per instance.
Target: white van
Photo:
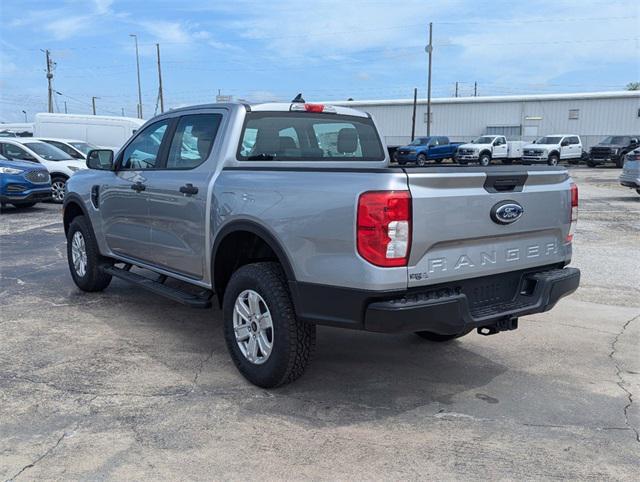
(100, 130)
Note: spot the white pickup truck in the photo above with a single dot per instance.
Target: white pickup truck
(485, 149)
(552, 149)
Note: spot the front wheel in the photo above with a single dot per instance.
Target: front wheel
(58, 188)
(431, 336)
(485, 160)
(84, 258)
(553, 160)
(421, 160)
(268, 344)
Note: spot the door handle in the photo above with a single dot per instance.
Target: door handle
(138, 186)
(189, 189)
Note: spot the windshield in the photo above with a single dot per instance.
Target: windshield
(549, 140)
(83, 147)
(420, 141)
(47, 151)
(483, 140)
(309, 137)
(617, 140)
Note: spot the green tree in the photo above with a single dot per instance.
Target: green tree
(633, 86)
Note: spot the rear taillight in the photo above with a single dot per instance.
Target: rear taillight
(574, 211)
(384, 227)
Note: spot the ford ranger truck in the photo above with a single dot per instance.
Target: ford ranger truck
(486, 149)
(289, 216)
(553, 149)
(424, 149)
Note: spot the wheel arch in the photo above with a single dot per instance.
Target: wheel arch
(487, 152)
(239, 243)
(71, 209)
(554, 153)
(59, 174)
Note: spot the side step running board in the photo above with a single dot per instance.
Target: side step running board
(190, 299)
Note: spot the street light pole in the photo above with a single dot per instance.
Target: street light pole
(93, 104)
(429, 50)
(25, 115)
(135, 37)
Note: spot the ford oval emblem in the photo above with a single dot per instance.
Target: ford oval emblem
(506, 212)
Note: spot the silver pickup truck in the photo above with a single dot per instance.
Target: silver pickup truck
(291, 216)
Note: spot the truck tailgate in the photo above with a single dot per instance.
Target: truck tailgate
(456, 236)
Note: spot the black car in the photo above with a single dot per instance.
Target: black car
(612, 149)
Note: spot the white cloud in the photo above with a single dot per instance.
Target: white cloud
(103, 6)
(67, 27)
(164, 31)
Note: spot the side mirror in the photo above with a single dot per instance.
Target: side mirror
(101, 159)
(564, 143)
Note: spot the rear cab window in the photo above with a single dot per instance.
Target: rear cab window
(302, 136)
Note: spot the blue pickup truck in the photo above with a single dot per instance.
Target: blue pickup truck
(424, 149)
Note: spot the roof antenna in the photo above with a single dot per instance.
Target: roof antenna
(299, 99)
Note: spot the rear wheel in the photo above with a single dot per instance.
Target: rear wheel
(421, 160)
(431, 336)
(485, 160)
(58, 188)
(553, 160)
(84, 258)
(269, 345)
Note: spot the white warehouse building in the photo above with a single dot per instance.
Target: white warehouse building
(592, 116)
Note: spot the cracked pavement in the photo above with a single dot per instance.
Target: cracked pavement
(126, 385)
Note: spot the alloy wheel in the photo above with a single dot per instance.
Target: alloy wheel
(253, 327)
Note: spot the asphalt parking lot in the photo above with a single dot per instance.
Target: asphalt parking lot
(127, 385)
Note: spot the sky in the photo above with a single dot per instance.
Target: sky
(327, 49)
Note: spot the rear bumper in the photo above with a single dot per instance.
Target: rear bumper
(445, 309)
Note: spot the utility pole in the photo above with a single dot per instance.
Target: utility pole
(135, 37)
(413, 119)
(93, 103)
(429, 50)
(49, 79)
(160, 80)
(475, 89)
(456, 89)
(123, 112)
(65, 107)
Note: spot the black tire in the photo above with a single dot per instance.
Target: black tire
(93, 279)
(293, 341)
(553, 160)
(23, 205)
(591, 164)
(484, 160)
(620, 160)
(421, 160)
(58, 188)
(429, 335)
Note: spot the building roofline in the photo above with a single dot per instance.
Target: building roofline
(495, 98)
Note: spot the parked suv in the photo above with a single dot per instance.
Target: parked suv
(23, 184)
(612, 149)
(630, 176)
(59, 164)
(423, 149)
(553, 149)
(292, 217)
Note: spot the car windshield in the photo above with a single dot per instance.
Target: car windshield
(47, 151)
(549, 140)
(617, 140)
(420, 141)
(483, 140)
(83, 147)
(306, 136)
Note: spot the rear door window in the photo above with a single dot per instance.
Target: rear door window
(193, 140)
(309, 137)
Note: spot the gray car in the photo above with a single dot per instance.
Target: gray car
(290, 216)
(630, 176)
